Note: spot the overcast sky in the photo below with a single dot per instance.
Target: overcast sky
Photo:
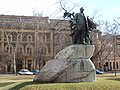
(108, 9)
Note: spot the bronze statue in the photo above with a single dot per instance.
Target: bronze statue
(80, 27)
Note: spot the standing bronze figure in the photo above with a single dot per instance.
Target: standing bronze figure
(80, 27)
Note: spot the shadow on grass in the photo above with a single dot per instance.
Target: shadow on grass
(5, 84)
(116, 79)
(17, 87)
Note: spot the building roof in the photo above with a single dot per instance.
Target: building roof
(31, 22)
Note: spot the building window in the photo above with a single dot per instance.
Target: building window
(19, 38)
(117, 66)
(113, 65)
(29, 38)
(9, 49)
(8, 68)
(20, 49)
(9, 38)
(44, 39)
(110, 66)
(29, 50)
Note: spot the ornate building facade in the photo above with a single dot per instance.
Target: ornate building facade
(31, 41)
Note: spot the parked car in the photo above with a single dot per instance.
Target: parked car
(25, 72)
(99, 72)
(35, 72)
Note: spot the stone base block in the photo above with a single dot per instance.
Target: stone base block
(72, 64)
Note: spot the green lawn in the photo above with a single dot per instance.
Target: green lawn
(103, 82)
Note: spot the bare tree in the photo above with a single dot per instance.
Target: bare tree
(19, 37)
(107, 44)
(118, 18)
(36, 13)
(6, 59)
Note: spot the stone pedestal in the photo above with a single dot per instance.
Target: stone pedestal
(71, 64)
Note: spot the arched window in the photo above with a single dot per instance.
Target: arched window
(20, 49)
(29, 38)
(43, 38)
(19, 37)
(9, 48)
(29, 49)
(9, 38)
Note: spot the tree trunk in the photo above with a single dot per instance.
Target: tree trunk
(6, 69)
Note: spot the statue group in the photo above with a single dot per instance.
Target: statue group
(72, 64)
(80, 27)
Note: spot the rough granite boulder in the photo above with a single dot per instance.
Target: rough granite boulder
(71, 64)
